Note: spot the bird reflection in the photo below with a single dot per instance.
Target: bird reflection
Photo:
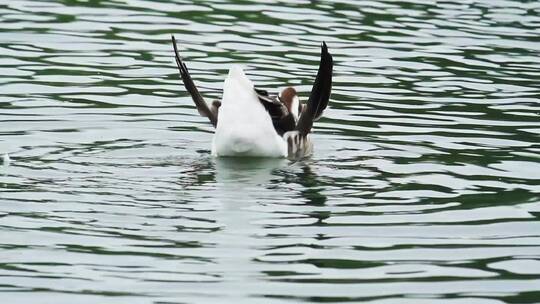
(312, 186)
(237, 178)
(241, 174)
(312, 189)
(308, 179)
(197, 173)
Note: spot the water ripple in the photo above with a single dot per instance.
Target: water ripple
(424, 186)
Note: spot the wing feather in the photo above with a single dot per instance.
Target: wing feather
(320, 93)
(201, 105)
(282, 119)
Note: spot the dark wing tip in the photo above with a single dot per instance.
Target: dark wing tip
(201, 105)
(320, 93)
(324, 50)
(325, 53)
(174, 45)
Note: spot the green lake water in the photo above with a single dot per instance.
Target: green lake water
(424, 186)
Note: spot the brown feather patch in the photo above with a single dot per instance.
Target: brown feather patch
(287, 96)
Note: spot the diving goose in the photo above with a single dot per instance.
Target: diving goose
(251, 122)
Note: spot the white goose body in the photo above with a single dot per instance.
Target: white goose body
(251, 122)
(244, 127)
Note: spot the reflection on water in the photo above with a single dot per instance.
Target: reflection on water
(235, 173)
(423, 188)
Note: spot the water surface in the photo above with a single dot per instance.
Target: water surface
(424, 186)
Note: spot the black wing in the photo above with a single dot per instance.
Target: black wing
(282, 120)
(201, 105)
(320, 93)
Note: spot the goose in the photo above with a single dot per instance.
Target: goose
(250, 122)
